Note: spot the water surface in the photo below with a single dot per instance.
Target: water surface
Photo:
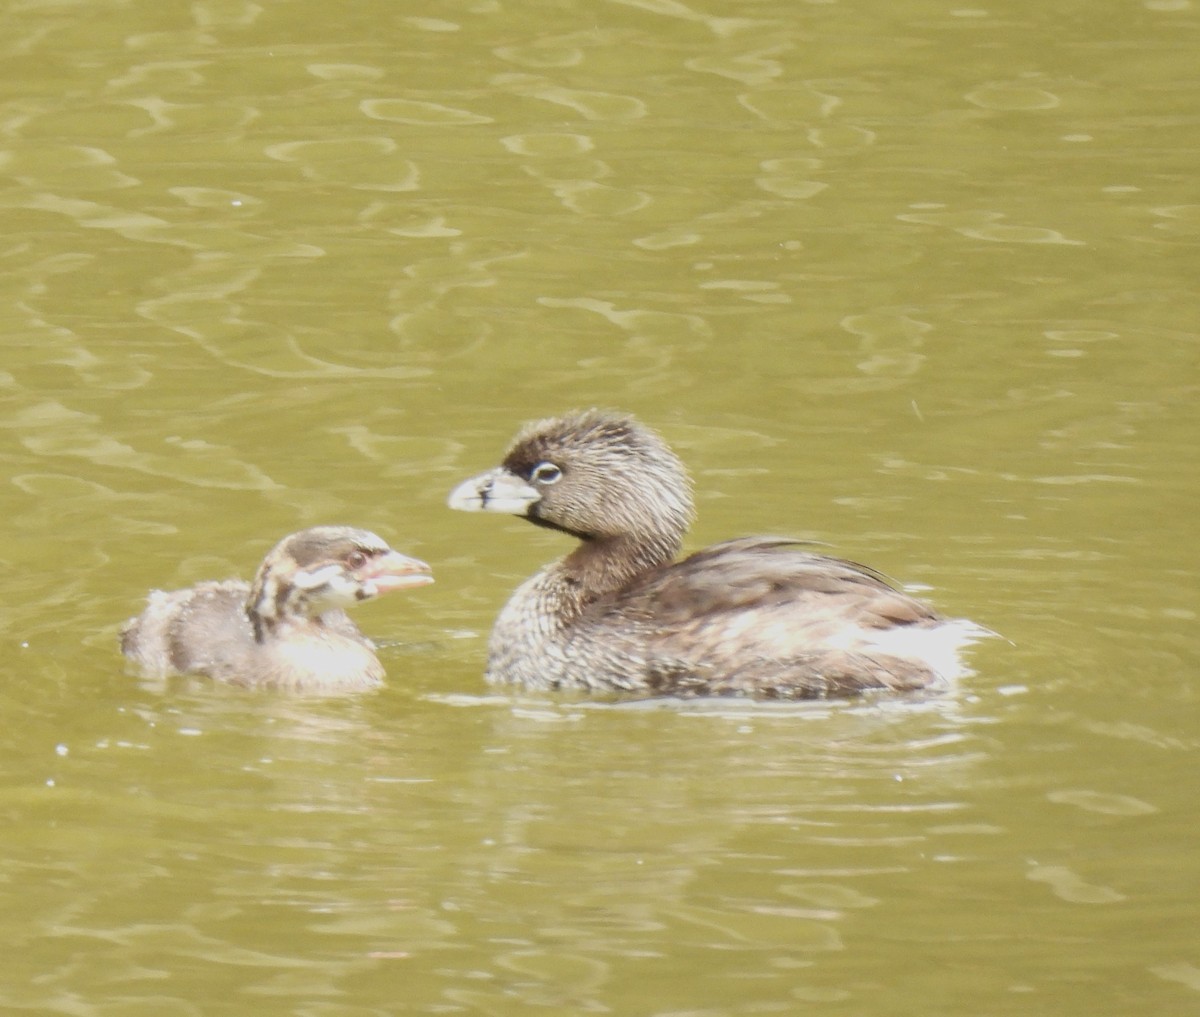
(915, 280)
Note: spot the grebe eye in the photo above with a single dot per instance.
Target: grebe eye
(546, 473)
(356, 559)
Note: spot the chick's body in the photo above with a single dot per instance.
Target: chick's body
(287, 629)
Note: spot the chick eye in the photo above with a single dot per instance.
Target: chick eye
(356, 559)
(546, 473)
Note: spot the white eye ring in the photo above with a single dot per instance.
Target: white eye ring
(545, 473)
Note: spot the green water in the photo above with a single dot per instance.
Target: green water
(915, 280)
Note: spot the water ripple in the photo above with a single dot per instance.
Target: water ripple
(988, 226)
(413, 111)
(1070, 886)
(54, 430)
(592, 105)
(370, 163)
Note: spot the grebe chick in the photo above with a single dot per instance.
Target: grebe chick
(288, 629)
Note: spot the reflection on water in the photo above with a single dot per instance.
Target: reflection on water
(901, 279)
(331, 820)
